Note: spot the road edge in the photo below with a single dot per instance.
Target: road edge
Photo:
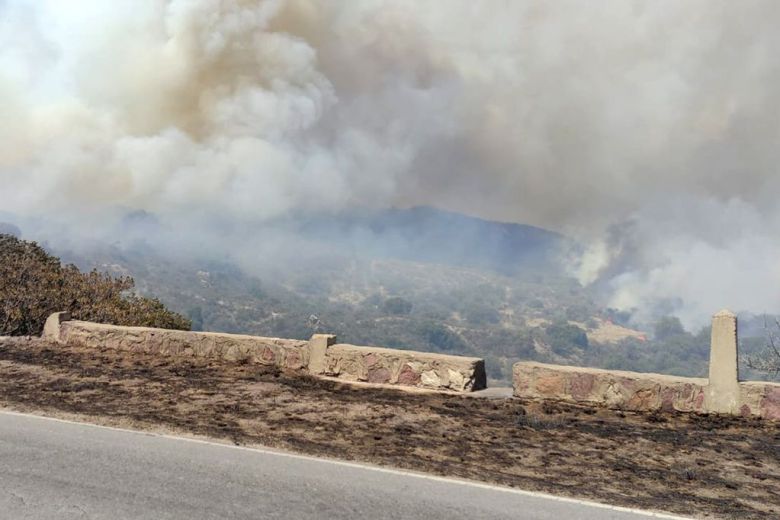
(358, 465)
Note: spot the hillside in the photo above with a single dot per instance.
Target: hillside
(428, 235)
(417, 294)
(379, 302)
(419, 279)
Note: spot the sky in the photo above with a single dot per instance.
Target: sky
(646, 130)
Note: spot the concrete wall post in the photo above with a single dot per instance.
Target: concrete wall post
(51, 329)
(723, 393)
(318, 346)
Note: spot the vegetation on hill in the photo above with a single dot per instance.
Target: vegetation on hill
(411, 305)
(33, 284)
(412, 279)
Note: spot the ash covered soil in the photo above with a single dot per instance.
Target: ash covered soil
(697, 465)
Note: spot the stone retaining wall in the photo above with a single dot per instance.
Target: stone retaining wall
(320, 356)
(286, 353)
(615, 389)
(722, 392)
(404, 367)
(760, 399)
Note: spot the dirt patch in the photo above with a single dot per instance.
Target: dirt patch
(699, 465)
(608, 332)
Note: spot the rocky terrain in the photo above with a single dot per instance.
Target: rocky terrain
(704, 466)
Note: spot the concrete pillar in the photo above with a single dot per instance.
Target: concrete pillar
(318, 346)
(723, 390)
(51, 329)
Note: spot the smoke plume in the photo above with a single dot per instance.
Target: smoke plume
(646, 130)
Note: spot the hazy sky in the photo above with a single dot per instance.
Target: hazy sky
(648, 130)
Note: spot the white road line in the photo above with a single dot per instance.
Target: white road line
(380, 469)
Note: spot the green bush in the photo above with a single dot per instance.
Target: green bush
(34, 284)
(441, 337)
(563, 337)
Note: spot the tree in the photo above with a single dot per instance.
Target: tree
(441, 337)
(34, 284)
(667, 327)
(564, 337)
(397, 306)
(768, 360)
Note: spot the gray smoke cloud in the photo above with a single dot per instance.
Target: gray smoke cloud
(647, 130)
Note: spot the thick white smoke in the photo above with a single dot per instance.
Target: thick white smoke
(645, 129)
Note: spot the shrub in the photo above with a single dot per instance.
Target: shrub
(34, 284)
(482, 315)
(397, 306)
(564, 337)
(441, 337)
(578, 312)
(668, 327)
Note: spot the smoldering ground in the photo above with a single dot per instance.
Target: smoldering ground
(645, 130)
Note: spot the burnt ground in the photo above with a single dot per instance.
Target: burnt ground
(699, 465)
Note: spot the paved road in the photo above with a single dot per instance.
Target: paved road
(54, 469)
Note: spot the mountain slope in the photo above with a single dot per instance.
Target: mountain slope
(429, 235)
(419, 279)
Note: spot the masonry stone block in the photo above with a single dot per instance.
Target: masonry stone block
(318, 346)
(51, 329)
(610, 388)
(404, 367)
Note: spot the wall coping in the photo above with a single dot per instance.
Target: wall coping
(760, 383)
(106, 326)
(402, 352)
(665, 378)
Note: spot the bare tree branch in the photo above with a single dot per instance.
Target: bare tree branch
(768, 361)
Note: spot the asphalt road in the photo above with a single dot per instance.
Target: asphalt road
(55, 469)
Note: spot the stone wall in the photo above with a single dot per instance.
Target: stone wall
(404, 367)
(722, 392)
(320, 356)
(286, 353)
(615, 389)
(759, 399)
